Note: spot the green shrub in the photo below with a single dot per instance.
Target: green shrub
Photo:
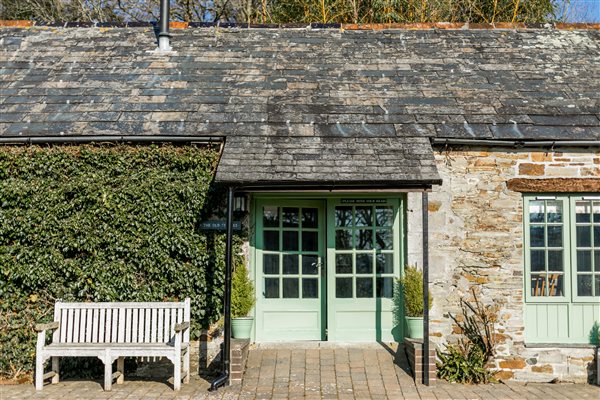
(104, 223)
(464, 362)
(242, 292)
(411, 288)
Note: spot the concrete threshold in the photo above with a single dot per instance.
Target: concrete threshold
(315, 344)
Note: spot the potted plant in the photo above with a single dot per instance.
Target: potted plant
(411, 287)
(242, 301)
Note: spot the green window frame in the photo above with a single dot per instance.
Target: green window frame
(562, 248)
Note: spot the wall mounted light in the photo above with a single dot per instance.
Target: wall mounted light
(240, 202)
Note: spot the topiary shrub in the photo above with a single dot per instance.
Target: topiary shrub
(410, 287)
(242, 292)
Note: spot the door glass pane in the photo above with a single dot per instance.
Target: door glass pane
(385, 287)
(364, 263)
(364, 287)
(364, 216)
(343, 288)
(310, 241)
(290, 241)
(597, 260)
(271, 288)
(384, 239)
(364, 239)
(554, 211)
(384, 216)
(343, 240)
(271, 240)
(310, 265)
(596, 210)
(584, 238)
(555, 285)
(290, 264)
(290, 288)
(582, 211)
(538, 260)
(555, 260)
(310, 288)
(271, 263)
(597, 236)
(538, 285)
(290, 217)
(597, 285)
(584, 285)
(385, 263)
(554, 236)
(537, 236)
(270, 217)
(310, 218)
(536, 211)
(343, 263)
(343, 216)
(584, 260)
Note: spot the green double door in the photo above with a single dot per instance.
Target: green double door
(325, 269)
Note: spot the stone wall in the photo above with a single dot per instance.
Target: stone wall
(476, 240)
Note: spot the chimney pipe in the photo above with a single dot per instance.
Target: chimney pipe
(164, 37)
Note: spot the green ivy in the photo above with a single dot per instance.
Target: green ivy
(103, 223)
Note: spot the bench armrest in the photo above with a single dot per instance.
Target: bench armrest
(47, 326)
(182, 326)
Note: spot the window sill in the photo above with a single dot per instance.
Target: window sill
(561, 345)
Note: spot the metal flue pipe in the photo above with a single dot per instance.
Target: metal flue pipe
(164, 38)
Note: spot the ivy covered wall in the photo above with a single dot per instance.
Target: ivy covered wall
(103, 223)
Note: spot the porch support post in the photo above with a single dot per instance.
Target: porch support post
(425, 214)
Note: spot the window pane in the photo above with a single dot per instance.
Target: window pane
(364, 239)
(384, 216)
(343, 263)
(364, 263)
(385, 287)
(555, 285)
(384, 239)
(310, 241)
(538, 285)
(582, 211)
(290, 241)
(290, 217)
(364, 287)
(385, 263)
(271, 239)
(310, 218)
(554, 211)
(290, 288)
(271, 288)
(270, 217)
(584, 285)
(343, 288)
(310, 288)
(597, 260)
(364, 216)
(584, 238)
(290, 264)
(596, 210)
(555, 260)
(597, 288)
(343, 240)
(271, 263)
(537, 236)
(597, 236)
(554, 236)
(310, 265)
(538, 260)
(343, 216)
(584, 260)
(536, 211)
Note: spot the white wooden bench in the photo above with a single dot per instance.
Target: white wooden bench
(113, 331)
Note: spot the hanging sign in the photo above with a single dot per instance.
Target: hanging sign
(219, 225)
(364, 201)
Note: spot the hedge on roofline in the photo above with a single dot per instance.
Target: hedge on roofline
(104, 223)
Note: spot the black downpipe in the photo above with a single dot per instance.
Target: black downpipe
(225, 355)
(425, 206)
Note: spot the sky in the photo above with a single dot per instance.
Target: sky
(580, 10)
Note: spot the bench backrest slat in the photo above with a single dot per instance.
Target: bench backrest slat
(130, 322)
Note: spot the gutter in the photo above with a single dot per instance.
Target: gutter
(515, 143)
(113, 139)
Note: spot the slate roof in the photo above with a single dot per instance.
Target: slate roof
(295, 103)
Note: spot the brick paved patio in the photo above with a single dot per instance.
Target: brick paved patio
(312, 372)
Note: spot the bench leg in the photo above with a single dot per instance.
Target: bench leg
(107, 375)
(121, 369)
(177, 371)
(186, 366)
(56, 369)
(39, 371)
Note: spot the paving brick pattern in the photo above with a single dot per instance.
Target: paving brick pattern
(310, 373)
